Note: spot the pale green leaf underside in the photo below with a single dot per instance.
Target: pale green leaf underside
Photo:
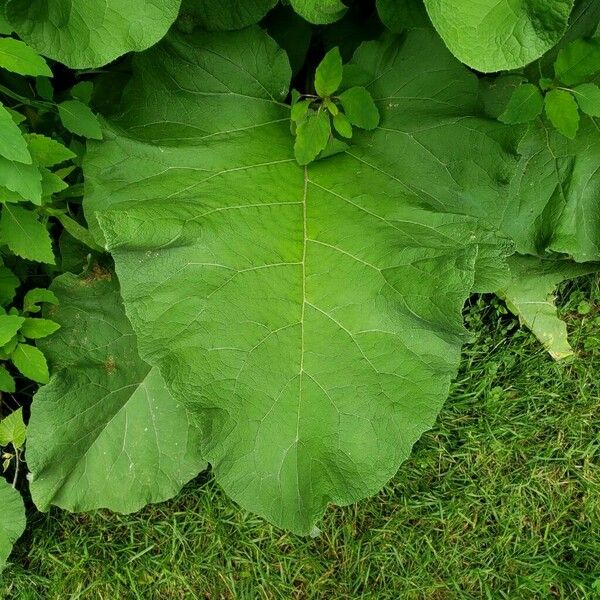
(530, 296)
(90, 33)
(105, 432)
(497, 35)
(12, 523)
(310, 319)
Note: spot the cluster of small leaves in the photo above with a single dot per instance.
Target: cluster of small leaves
(17, 329)
(563, 97)
(35, 174)
(13, 433)
(313, 114)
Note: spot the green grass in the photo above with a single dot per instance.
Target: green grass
(500, 500)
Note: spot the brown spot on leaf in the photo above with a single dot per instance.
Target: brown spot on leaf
(110, 366)
(97, 273)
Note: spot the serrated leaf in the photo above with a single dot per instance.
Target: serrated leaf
(342, 125)
(494, 36)
(530, 296)
(312, 136)
(299, 110)
(310, 318)
(226, 15)
(9, 326)
(14, 146)
(562, 112)
(18, 57)
(108, 30)
(13, 430)
(36, 296)
(78, 118)
(320, 12)
(398, 16)
(525, 104)
(24, 180)
(25, 235)
(46, 151)
(31, 362)
(12, 524)
(588, 98)
(7, 382)
(359, 107)
(35, 329)
(129, 442)
(328, 76)
(578, 61)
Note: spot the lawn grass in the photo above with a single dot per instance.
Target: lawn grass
(500, 500)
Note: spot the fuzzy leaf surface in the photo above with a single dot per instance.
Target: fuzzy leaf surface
(87, 33)
(489, 35)
(105, 432)
(310, 318)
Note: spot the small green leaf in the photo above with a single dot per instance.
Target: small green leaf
(79, 232)
(342, 125)
(13, 430)
(46, 151)
(588, 98)
(79, 119)
(24, 180)
(578, 61)
(35, 329)
(562, 111)
(299, 110)
(525, 104)
(9, 283)
(329, 73)
(7, 382)
(18, 57)
(13, 146)
(9, 326)
(312, 136)
(331, 106)
(83, 91)
(43, 86)
(25, 235)
(37, 296)
(360, 108)
(31, 363)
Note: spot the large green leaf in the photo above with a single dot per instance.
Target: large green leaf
(88, 33)
(309, 318)
(105, 432)
(320, 11)
(224, 15)
(492, 35)
(530, 296)
(555, 197)
(12, 523)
